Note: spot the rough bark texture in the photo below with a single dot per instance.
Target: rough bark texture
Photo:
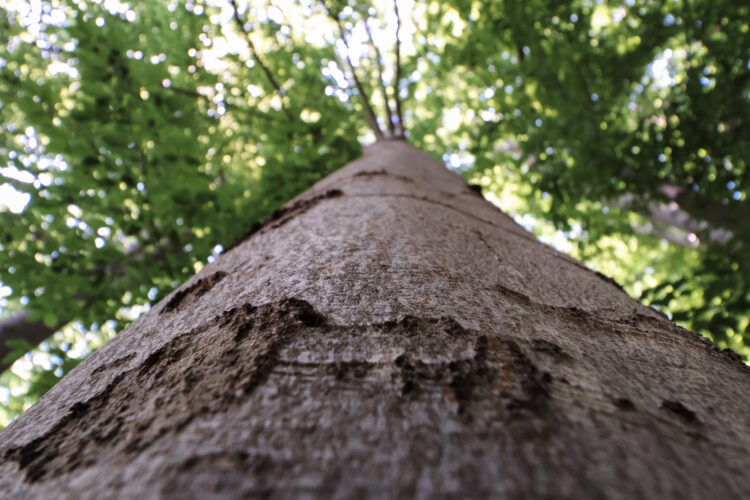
(390, 334)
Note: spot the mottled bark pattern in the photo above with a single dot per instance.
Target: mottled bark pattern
(391, 334)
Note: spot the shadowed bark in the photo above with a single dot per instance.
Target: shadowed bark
(391, 334)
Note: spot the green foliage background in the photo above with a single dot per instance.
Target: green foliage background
(146, 137)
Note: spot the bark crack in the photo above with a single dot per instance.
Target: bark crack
(490, 247)
(218, 365)
(167, 390)
(580, 316)
(448, 205)
(192, 292)
(283, 215)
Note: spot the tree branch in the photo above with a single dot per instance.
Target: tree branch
(372, 117)
(671, 222)
(397, 83)
(383, 89)
(259, 61)
(732, 216)
(20, 327)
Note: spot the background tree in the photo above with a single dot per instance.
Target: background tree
(145, 135)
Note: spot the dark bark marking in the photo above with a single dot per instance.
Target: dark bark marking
(240, 320)
(350, 369)
(517, 296)
(373, 173)
(502, 377)
(236, 351)
(39, 457)
(610, 324)
(284, 214)
(624, 404)
(160, 359)
(476, 189)
(304, 312)
(197, 362)
(609, 280)
(729, 353)
(521, 233)
(492, 250)
(499, 363)
(550, 348)
(197, 289)
(413, 372)
(224, 457)
(576, 313)
(530, 390)
(734, 358)
(675, 407)
(469, 374)
(698, 436)
(117, 363)
(580, 265)
(412, 325)
(663, 323)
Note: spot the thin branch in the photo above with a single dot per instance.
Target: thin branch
(24, 187)
(20, 327)
(146, 193)
(259, 61)
(397, 83)
(185, 92)
(372, 117)
(371, 121)
(387, 102)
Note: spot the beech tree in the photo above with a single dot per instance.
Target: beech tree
(389, 333)
(147, 136)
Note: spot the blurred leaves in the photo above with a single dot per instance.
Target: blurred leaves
(614, 121)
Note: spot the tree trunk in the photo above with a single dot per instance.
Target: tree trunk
(391, 334)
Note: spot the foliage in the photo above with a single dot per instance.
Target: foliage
(148, 136)
(612, 117)
(41, 368)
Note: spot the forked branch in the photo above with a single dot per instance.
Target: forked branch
(372, 117)
(383, 89)
(397, 83)
(259, 61)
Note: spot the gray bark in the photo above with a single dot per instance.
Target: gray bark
(391, 334)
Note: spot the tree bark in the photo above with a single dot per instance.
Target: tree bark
(391, 334)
